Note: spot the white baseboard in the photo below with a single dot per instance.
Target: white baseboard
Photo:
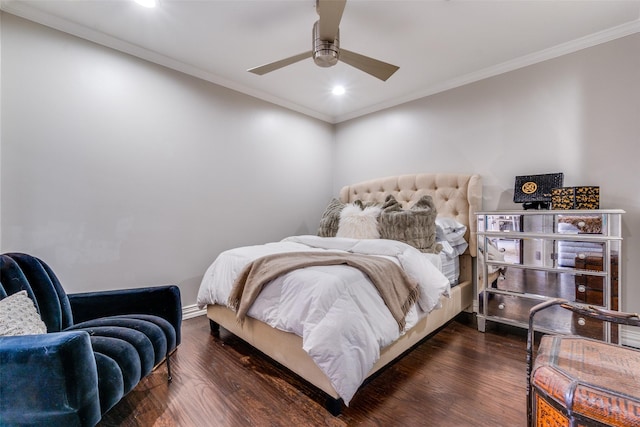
(191, 311)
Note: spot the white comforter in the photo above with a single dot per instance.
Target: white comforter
(344, 322)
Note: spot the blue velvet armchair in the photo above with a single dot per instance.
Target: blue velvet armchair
(97, 348)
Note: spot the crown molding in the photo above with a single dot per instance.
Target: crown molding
(576, 45)
(86, 33)
(20, 9)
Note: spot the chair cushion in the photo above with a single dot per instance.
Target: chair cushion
(124, 354)
(167, 328)
(110, 381)
(145, 337)
(127, 348)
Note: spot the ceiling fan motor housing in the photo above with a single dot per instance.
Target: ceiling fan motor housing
(325, 52)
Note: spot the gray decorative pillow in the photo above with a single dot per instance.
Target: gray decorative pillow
(415, 226)
(330, 221)
(18, 316)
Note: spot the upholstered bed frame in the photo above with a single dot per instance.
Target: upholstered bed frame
(455, 196)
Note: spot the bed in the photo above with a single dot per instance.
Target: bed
(455, 196)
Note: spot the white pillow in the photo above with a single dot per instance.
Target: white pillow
(450, 230)
(18, 316)
(359, 223)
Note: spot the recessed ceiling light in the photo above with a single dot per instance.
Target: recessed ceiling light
(338, 90)
(147, 3)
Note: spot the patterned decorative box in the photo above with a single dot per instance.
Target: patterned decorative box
(584, 197)
(563, 198)
(582, 382)
(587, 197)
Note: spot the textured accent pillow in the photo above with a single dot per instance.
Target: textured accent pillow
(359, 223)
(330, 220)
(18, 316)
(415, 226)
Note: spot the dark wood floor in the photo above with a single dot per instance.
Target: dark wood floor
(458, 377)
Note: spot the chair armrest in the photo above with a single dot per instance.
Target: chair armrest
(48, 379)
(162, 301)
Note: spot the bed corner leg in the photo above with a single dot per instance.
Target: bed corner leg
(334, 406)
(215, 328)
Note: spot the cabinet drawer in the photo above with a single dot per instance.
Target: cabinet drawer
(580, 255)
(592, 328)
(590, 290)
(549, 253)
(587, 224)
(587, 295)
(591, 223)
(512, 307)
(544, 283)
(595, 262)
(515, 308)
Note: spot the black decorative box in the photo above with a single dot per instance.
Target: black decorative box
(536, 189)
(584, 197)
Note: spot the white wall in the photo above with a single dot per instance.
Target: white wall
(121, 173)
(578, 114)
(0, 133)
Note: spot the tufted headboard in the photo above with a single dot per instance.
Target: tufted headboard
(455, 196)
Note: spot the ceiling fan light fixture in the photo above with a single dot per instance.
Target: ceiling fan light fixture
(325, 53)
(325, 46)
(338, 90)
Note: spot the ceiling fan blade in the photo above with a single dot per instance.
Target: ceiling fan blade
(330, 12)
(267, 68)
(379, 69)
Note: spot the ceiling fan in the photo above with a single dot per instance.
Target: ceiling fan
(326, 46)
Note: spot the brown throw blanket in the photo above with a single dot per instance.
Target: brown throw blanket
(398, 291)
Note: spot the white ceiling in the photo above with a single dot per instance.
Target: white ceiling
(438, 44)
